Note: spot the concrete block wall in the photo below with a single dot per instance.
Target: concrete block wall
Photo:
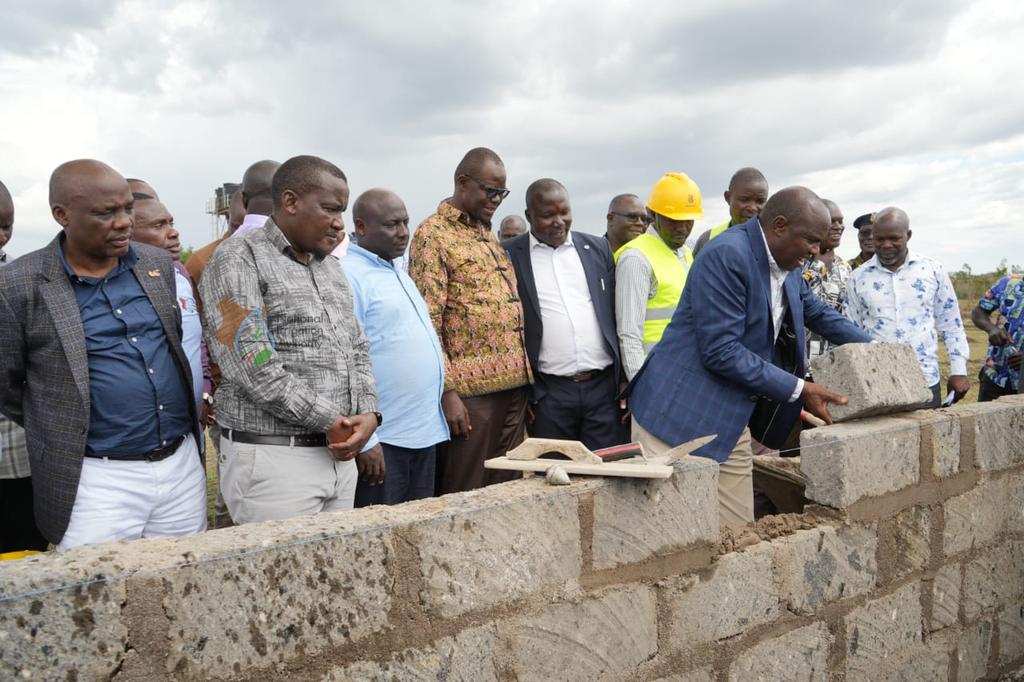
(908, 565)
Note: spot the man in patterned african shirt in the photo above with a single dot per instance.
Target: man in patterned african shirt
(469, 285)
(827, 275)
(1000, 375)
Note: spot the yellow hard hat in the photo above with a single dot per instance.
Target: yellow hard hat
(676, 196)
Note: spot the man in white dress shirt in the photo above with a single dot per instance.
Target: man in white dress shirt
(566, 281)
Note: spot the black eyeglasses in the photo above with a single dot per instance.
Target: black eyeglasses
(491, 192)
(641, 218)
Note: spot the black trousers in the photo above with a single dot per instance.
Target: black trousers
(990, 390)
(586, 411)
(18, 529)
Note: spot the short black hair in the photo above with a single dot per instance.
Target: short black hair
(621, 197)
(473, 162)
(542, 186)
(744, 174)
(301, 174)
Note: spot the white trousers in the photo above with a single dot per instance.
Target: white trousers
(120, 500)
(265, 482)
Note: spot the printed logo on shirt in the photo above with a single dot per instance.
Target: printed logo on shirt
(245, 331)
(188, 305)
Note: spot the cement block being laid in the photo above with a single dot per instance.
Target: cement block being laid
(800, 654)
(636, 520)
(844, 463)
(737, 594)
(882, 629)
(878, 378)
(822, 565)
(602, 638)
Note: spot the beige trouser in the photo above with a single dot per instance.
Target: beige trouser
(735, 476)
(265, 482)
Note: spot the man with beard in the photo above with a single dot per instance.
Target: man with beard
(468, 283)
(297, 399)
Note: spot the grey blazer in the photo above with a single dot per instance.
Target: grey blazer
(44, 372)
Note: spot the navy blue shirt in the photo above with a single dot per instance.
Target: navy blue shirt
(139, 400)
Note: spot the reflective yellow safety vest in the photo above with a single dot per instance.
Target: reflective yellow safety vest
(718, 229)
(671, 277)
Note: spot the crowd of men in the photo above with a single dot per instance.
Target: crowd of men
(330, 371)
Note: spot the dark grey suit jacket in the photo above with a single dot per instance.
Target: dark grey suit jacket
(599, 268)
(44, 372)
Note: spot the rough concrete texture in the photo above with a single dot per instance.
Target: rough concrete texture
(624, 529)
(973, 651)
(998, 434)
(906, 540)
(993, 579)
(845, 463)
(927, 662)
(940, 436)
(798, 655)
(978, 516)
(819, 566)
(945, 597)
(706, 674)
(1011, 633)
(881, 629)
(601, 638)
(467, 656)
(736, 594)
(507, 545)
(878, 378)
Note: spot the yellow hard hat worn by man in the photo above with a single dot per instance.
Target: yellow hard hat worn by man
(650, 271)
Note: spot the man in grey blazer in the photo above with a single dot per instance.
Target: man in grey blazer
(91, 365)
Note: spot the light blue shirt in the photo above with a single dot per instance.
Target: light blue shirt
(910, 306)
(404, 350)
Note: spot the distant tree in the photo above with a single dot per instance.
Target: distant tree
(186, 252)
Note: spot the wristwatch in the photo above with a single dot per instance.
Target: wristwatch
(208, 398)
(380, 418)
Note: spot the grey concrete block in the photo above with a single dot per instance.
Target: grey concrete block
(822, 565)
(910, 541)
(845, 463)
(945, 597)
(497, 545)
(737, 594)
(467, 656)
(602, 638)
(994, 580)
(940, 435)
(878, 378)
(998, 434)
(705, 674)
(635, 520)
(799, 655)
(927, 662)
(973, 651)
(1011, 633)
(977, 517)
(882, 629)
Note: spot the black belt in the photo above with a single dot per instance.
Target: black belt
(301, 440)
(154, 455)
(580, 377)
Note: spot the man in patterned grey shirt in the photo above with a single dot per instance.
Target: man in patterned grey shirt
(297, 400)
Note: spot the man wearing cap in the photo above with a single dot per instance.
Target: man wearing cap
(650, 271)
(867, 246)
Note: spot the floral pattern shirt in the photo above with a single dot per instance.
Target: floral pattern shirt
(909, 306)
(1006, 297)
(830, 287)
(469, 285)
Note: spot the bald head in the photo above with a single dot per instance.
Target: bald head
(746, 175)
(6, 216)
(382, 223)
(474, 161)
(892, 217)
(511, 226)
(93, 204)
(75, 178)
(236, 212)
(891, 233)
(795, 223)
(256, 187)
(141, 189)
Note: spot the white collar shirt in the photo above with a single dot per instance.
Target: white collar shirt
(776, 280)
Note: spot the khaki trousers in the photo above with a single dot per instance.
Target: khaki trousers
(735, 476)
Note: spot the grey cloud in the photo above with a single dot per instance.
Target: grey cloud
(43, 26)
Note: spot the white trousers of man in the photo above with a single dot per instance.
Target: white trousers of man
(121, 500)
(267, 482)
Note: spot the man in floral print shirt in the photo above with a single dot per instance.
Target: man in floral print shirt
(901, 297)
(469, 285)
(1000, 374)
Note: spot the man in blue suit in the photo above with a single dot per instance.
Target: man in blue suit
(566, 282)
(719, 355)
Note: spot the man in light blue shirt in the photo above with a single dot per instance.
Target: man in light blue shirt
(404, 349)
(901, 297)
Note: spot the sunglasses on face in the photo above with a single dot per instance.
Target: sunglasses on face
(641, 218)
(491, 192)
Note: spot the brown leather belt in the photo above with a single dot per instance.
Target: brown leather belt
(301, 440)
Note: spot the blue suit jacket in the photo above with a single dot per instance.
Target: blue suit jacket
(596, 256)
(715, 357)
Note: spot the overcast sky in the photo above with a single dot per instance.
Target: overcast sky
(914, 103)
